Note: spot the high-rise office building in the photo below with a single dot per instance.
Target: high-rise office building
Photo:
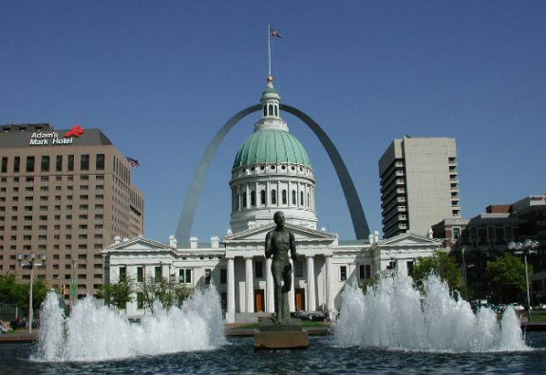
(419, 184)
(64, 194)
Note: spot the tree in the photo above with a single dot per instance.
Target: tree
(181, 293)
(15, 293)
(368, 284)
(442, 265)
(168, 293)
(12, 292)
(506, 277)
(120, 293)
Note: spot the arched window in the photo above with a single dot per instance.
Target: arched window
(237, 203)
(284, 197)
(301, 198)
(276, 111)
(270, 110)
(262, 197)
(273, 196)
(265, 110)
(294, 201)
(308, 200)
(253, 198)
(244, 199)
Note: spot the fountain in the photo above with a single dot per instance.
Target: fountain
(96, 333)
(394, 315)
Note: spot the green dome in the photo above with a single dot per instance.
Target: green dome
(271, 146)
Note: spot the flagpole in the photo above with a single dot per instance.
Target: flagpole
(269, 47)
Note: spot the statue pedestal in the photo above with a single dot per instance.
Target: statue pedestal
(289, 335)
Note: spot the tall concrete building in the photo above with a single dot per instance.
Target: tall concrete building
(64, 194)
(419, 184)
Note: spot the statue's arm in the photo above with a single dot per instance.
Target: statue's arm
(268, 250)
(293, 253)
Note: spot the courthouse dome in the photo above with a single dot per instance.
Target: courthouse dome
(271, 146)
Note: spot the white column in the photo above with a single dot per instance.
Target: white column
(311, 304)
(292, 293)
(329, 281)
(247, 190)
(270, 287)
(249, 285)
(231, 285)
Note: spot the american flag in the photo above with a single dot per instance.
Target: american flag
(275, 34)
(133, 162)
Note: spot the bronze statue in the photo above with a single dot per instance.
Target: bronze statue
(278, 243)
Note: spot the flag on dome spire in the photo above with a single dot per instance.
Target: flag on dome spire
(275, 33)
(272, 33)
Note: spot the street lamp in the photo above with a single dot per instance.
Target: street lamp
(31, 264)
(526, 247)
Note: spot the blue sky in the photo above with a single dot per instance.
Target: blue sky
(161, 77)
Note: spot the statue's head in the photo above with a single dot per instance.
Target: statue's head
(278, 218)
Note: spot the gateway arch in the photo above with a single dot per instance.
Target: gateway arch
(185, 223)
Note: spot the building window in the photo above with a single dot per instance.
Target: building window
(208, 275)
(4, 164)
(59, 163)
(491, 233)
(259, 266)
(45, 163)
(140, 274)
(244, 199)
(284, 197)
(294, 201)
(70, 166)
(30, 164)
(273, 196)
(301, 198)
(84, 162)
(364, 271)
(456, 233)
(508, 233)
(16, 164)
(392, 265)
(223, 276)
(409, 264)
(184, 275)
(99, 164)
(140, 300)
(298, 268)
(158, 274)
(342, 273)
(122, 273)
(253, 198)
(262, 197)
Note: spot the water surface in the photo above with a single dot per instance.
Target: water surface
(322, 357)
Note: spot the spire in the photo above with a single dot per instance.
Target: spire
(270, 99)
(271, 104)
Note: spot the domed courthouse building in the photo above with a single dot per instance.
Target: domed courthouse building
(271, 172)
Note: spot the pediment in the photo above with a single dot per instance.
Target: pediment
(409, 239)
(138, 244)
(301, 234)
